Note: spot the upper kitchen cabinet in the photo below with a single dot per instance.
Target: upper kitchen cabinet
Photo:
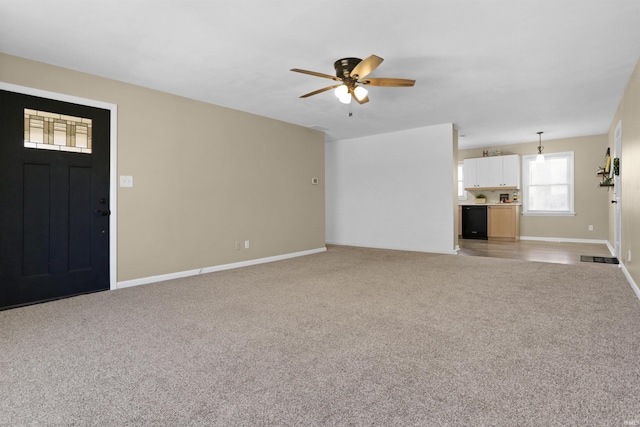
(505, 171)
(476, 174)
(498, 172)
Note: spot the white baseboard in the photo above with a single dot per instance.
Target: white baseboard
(153, 279)
(633, 284)
(187, 273)
(260, 261)
(565, 239)
(395, 248)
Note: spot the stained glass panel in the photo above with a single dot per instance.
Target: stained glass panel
(51, 131)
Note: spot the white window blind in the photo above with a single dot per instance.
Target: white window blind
(548, 186)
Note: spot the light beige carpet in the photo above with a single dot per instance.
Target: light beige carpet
(352, 336)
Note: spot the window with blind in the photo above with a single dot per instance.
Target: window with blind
(548, 186)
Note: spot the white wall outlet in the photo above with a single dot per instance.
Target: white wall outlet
(126, 181)
(591, 228)
(246, 244)
(629, 256)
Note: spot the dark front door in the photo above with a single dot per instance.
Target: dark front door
(54, 207)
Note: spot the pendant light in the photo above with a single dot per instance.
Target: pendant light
(540, 156)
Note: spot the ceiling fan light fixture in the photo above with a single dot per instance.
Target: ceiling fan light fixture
(349, 73)
(360, 93)
(345, 99)
(342, 91)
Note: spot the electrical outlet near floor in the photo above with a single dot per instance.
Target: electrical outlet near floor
(591, 228)
(629, 256)
(246, 244)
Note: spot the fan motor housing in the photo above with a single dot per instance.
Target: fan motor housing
(344, 66)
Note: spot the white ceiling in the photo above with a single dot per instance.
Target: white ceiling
(499, 70)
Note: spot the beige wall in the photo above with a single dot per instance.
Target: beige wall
(591, 202)
(629, 113)
(205, 176)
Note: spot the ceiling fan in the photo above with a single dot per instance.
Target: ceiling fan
(352, 73)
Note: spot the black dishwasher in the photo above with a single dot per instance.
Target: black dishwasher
(474, 222)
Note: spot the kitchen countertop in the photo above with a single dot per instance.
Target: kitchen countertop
(467, 203)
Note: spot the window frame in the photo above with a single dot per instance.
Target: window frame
(526, 160)
(461, 179)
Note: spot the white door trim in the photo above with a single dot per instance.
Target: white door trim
(113, 158)
(617, 194)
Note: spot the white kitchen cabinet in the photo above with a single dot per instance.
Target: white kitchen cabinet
(470, 167)
(476, 174)
(496, 172)
(511, 171)
(504, 171)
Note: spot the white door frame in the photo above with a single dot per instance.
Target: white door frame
(113, 159)
(617, 193)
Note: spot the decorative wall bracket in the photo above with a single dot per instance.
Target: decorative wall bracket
(607, 176)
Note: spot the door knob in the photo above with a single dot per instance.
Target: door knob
(106, 212)
(614, 201)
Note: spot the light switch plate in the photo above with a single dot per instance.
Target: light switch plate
(126, 181)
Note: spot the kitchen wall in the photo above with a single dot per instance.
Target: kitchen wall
(205, 177)
(591, 203)
(628, 114)
(394, 190)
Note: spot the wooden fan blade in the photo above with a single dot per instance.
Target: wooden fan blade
(365, 67)
(313, 73)
(382, 81)
(315, 92)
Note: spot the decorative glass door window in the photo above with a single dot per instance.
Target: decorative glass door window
(52, 131)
